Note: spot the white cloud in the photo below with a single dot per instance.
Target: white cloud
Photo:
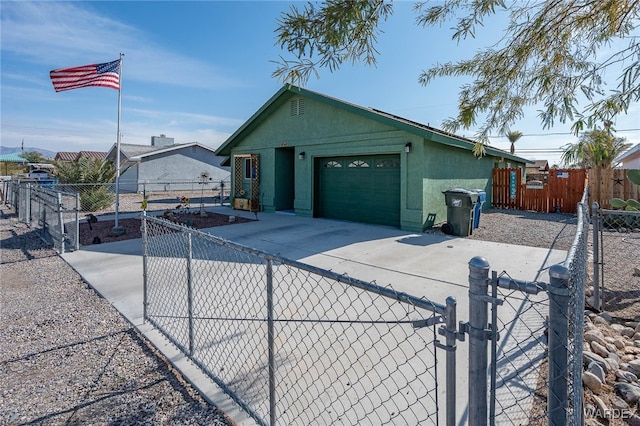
(62, 34)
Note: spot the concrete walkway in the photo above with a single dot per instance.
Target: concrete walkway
(424, 265)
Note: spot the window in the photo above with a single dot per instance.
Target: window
(332, 164)
(358, 163)
(388, 163)
(249, 169)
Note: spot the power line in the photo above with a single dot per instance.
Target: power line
(534, 150)
(560, 133)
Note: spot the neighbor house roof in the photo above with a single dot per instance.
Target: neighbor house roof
(138, 152)
(130, 150)
(422, 130)
(13, 157)
(66, 156)
(75, 156)
(92, 155)
(631, 152)
(540, 165)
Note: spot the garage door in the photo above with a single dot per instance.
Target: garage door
(362, 189)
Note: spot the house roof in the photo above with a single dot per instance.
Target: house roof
(138, 152)
(92, 155)
(13, 157)
(66, 156)
(75, 156)
(131, 150)
(635, 150)
(539, 165)
(422, 130)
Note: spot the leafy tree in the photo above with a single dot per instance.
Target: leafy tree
(513, 136)
(595, 149)
(552, 53)
(35, 157)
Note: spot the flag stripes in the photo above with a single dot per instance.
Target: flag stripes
(100, 75)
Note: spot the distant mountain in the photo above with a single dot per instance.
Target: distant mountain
(11, 149)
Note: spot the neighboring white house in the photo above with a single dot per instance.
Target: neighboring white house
(168, 167)
(630, 159)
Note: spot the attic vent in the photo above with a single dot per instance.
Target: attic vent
(297, 107)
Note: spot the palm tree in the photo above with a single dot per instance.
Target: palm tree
(92, 179)
(513, 137)
(595, 149)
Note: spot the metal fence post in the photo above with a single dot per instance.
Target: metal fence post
(494, 348)
(63, 234)
(271, 344)
(596, 255)
(145, 277)
(42, 215)
(77, 223)
(27, 201)
(451, 335)
(478, 339)
(557, 397)
(190, 290)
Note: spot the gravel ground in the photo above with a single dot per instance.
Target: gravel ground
(545, 230)
(620, 285)
(68, 357)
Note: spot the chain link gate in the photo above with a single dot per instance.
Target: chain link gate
(534, 372)
(616, 270)
(54, 213)
(296, 344)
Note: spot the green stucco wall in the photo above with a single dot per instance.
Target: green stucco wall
(324, 130)
(447, 168)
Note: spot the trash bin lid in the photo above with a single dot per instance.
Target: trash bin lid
(482, 195)
(459, 191)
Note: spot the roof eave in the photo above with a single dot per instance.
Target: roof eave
(631, 151)
(428, 133)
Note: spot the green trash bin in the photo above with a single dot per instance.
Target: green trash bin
(461, 204)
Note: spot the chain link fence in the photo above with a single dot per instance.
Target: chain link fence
(54, 214)
(518, 353)
(535, 339)
(100, 198)
(578, 281)
(295, 344)
(616, 269)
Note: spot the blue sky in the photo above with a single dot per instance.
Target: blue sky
(195, 71)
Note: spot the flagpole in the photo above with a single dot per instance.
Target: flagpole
(118, 141)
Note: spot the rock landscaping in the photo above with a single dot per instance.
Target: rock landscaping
(611, 376)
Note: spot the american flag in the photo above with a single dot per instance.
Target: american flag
(101, 75)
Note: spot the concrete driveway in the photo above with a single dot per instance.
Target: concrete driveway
(424, 265)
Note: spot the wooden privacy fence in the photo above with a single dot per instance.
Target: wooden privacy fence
(605, 184)
(562, 191)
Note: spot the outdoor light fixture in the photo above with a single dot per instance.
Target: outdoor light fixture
(301, 156)
(407, 147)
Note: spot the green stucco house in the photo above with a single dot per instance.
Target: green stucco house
(318, 156)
